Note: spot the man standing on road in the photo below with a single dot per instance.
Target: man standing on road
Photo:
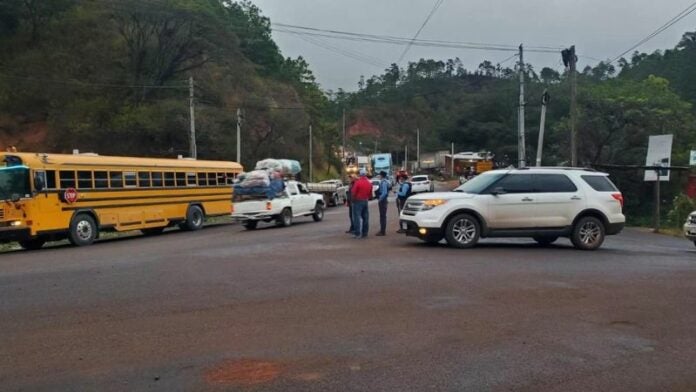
(402, 194)
(383, 200)
(360, 194)
(349, 202)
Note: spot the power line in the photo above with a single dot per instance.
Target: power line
(344, 52)
(88, 84)
(423, 43)
(437, 5)
(683, 14)
(395, 39)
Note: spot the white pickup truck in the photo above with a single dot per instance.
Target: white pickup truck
(295, 201)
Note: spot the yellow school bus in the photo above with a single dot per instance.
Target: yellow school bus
(56, 196)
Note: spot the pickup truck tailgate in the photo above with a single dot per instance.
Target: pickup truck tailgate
(250, 209)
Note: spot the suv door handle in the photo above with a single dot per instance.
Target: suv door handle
(527, 199)
(576, 198)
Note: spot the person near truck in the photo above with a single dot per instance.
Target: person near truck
(383, 195)
(402, 194)
(360, 194)
(349, 197)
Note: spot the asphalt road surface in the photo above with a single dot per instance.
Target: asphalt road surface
(307, 308)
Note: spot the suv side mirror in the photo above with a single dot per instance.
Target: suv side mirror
(498, 191)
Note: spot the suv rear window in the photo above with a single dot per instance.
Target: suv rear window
(553, 183)
(419, 178)
(600, 183)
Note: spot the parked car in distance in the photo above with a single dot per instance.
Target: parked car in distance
(690, 227)
(422, 183)
(375, 187)
(334, 191)
(541, 203)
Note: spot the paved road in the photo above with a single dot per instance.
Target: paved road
(307, 308)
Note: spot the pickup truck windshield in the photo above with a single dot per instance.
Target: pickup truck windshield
(14, 182)
(479, 183)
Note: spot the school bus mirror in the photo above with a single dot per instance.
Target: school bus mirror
(39, 183)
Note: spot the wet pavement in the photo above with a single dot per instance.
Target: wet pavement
(307, 308)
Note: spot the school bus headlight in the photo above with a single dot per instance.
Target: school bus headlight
(16, 223)
(432, 203)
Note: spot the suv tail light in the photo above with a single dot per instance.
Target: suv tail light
(618, 197)
(269, 206)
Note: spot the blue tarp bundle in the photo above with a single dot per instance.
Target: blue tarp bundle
(270, 192)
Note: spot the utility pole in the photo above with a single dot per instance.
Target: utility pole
(452, 162)
(406, 157)
(239, 135)
(344, 137)
(520, 120)
(656, 217)
(310, 152)
(570, 61)
(540, 144)
(418, 165)
(192, 131)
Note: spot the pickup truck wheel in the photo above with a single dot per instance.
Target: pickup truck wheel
(335, 201)
(318, 215)
(285, 218)
(251, 225)
(588, 233)
(194, 219)
(545, 240)
(463, 231)
(33, 243)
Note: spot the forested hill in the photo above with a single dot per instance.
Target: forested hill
(111, 76)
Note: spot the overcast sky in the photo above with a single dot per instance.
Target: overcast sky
(599, 28)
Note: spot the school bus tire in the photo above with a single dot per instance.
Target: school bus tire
(83, 230)
(194, 218)
(32, 243)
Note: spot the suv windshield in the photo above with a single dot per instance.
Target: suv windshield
(479, 183)
(14, 182)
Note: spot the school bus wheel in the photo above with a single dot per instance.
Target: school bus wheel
(83, 230)
(194, 218)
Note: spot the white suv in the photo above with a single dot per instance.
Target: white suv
(542, 203)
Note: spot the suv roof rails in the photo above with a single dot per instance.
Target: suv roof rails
(588, 169)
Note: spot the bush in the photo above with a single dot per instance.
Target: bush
(682, 206)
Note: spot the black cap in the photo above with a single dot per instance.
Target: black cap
(383, 173)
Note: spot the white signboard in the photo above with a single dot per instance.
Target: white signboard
(692, 158)
(659, 154)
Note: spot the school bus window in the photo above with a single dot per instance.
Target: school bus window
(169, 179)
(221, 179)
(191, 179)
(84, 179)
(129, 179)
(116, 180)
(67, 179)
(201, 179)
(180, 179)
(156, 179)
(50, 179)
(101, 179)
(212, 179)
(144, 179)
(230, 178)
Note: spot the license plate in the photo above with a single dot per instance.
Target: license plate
(404, 226)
